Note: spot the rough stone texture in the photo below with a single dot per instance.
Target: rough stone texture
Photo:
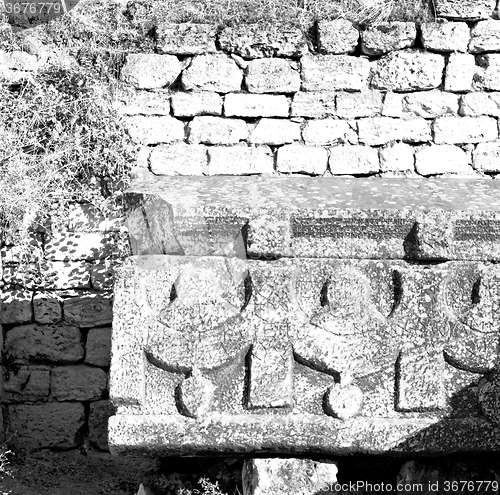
(272, 76)
(98, 347)
(477, 104)
(26, 384)
(196, 103)
(264, 40)
(155, 129)
(212, 72)
(216, 130)
(74, 246)
(355, 105)
(353, 160)
(393, 105)
(337, 37)
(327, 131)
(100, 412)
(462, 130)
(445, 36)
(179, 159)
(185, 39)
(149, 70)
(15, 306)
(238, 160)
(253, 105)
(485, 37)
(133, 102)
(467, 10)
(72, 383)
(296, 158)
(442, 159)
(47, 425)
(275, 132)
(486, 157)
(313, 104)
(54, 343)
(430, 104)
(388, 36)
(408, 71)
(459, 72)
(278, 476)
(334, 73)
(47, 307)
(487, 77)
(383, 130)
(397, 157)
(88, 309)
(66, 275)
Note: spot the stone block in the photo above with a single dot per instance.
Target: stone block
(213, 72)
(272, 75)
(383, 130)
(47, 307)
(463, 130)
(486, 157)
(476, 104)
(393, 105)
(337, 37)
(253, 105)
(72, 383)
(150, 71)
(398, 157)
(252, 41)
(334, 73)
(410, 70)
(100, 412)
(98, 347)
(15, 306)
(466, 10)
(296, 158)
(236, 160)
(313, 104)
(386, 37)
(353, 160)
(459, 73)
(216, 130)
(179, 159)
(26, 384)
(84, 217)
(277, 476)
(327, 131)
(88, 309)
(430, 104)
(55, 343)
(186, 38)
(485, 36)
(196, 103)
(275, 132)
(442, 159)
(26, 276)
(135, 102)
(45, 426)
(155, 129)
(445, 36)
(487, 77)
(102, 274)
(355, 105)
(62, 275)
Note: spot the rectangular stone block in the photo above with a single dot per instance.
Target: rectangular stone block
(83, 383)
(463, 130)
(253, 105)
(459, 72)
(467, 10)
(150, 70)
(383, 130)
(337, 37)
(15, 306)
(275, 132)
(88, 309)
(179, 159)
(240, 160)
(217, 355)
(353, 160)
(196, 103)
(98, 347)
(313, 104)
(26, 384)
(47, 307)
(297, 158)
(442, 159)
(154, 129)
(355, 105)
(134, 102)
(328, 132)
(477, 104)
(486, 157)
(388, 36)
(487, 74)
(186, 38)
(430, 104)
(216, 130)
(485, 37)
(272, 75)
(446, 36)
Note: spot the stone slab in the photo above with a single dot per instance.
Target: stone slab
(219, 355)
(318, 217)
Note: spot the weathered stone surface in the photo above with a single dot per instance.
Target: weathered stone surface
(196, 103)
(327, 131)
(487, 77)
(179, 159)
(477, 104)
(54, 343)
(275, 132)
(135, 102)
(313, 104)
(486, 157)
(459, 72)
(88, 309)
(278, 476)
(186, 38)
(355, 105)
(253, 105)
(408, 71)
(100, 412)
(337, 37)
(397, 157)
(26, 384)
(78, 383)
(73, 246)
(15, 306)
(155, 129)
(343, 401)
(98, 347)
(462, 130)
(216, 130)
(442, 159)
(393, 105)
(445, 36)
(352, 160)
(264, 40)
(213, 72)
(101, 274)
(467, 10)
(149, 70)
(383, 130)
(47, 307)
(272, 76)
(236, 160)
(430, 104)
(485, 37)
(84, 217)
(296, 158)
(388, 36)
(334, 73)
(47, 425)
